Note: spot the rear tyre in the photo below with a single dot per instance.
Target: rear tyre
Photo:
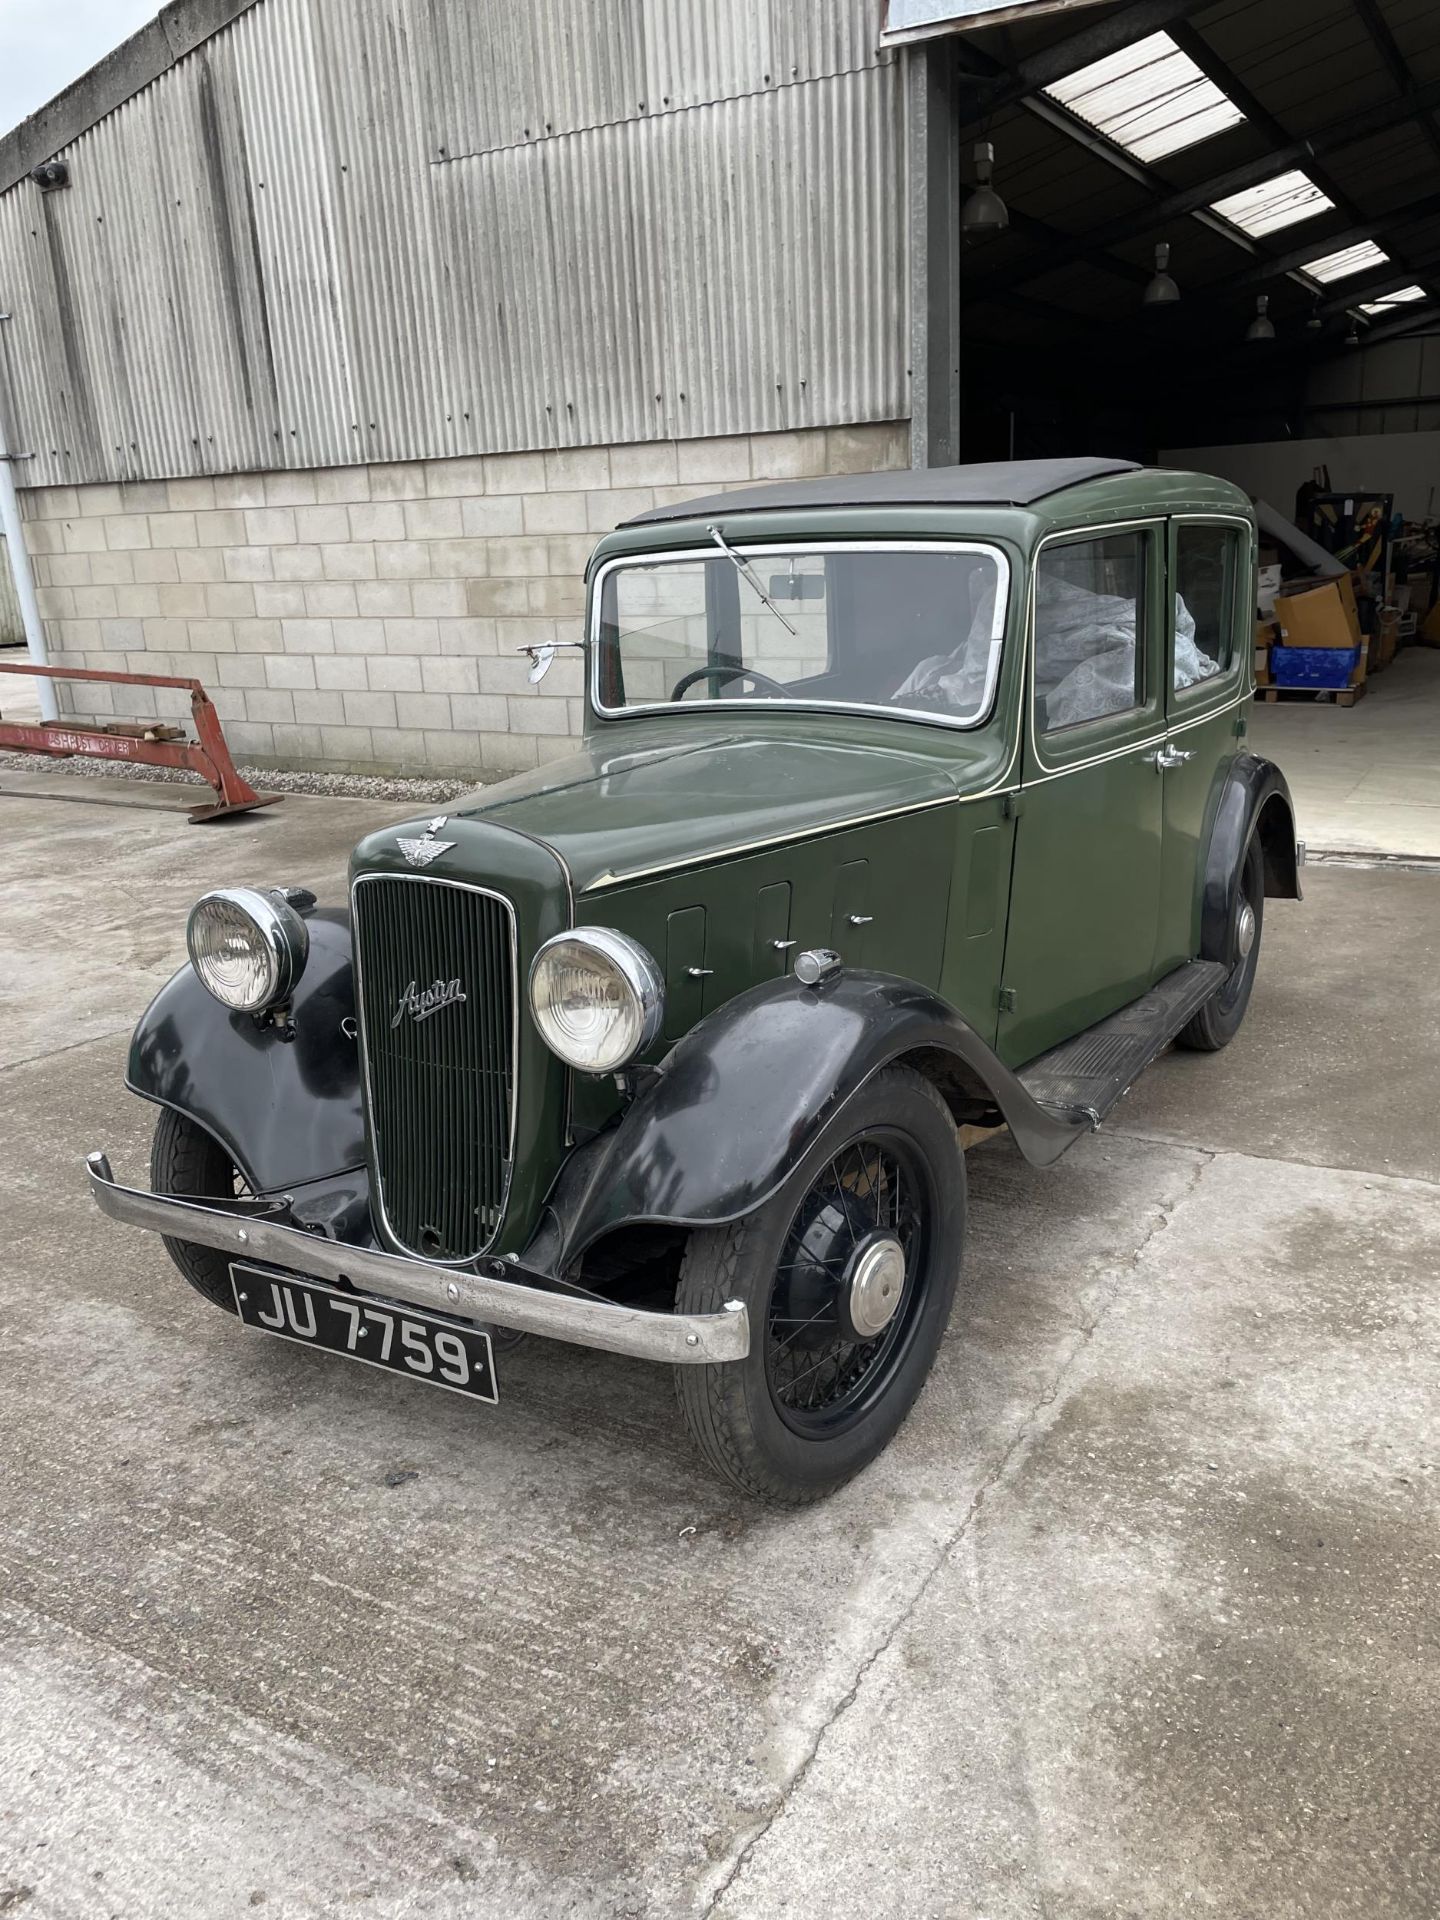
(190, 1164)
(1218, 1021)
(848, 1274)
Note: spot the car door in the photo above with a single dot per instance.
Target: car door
(1211, 563)
(1085, 886)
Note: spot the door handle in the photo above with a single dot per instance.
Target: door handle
(1168, 756)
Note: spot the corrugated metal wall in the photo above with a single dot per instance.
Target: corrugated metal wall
(12, 625)
(402, 228)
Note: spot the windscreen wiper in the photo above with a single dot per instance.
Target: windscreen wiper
(747, 572)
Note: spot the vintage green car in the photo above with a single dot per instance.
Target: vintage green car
(906, 800)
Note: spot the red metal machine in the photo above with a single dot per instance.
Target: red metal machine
(154, 745)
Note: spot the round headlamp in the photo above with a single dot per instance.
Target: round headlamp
(597, 998)
(249, 948)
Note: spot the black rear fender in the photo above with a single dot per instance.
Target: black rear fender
(1254, 800)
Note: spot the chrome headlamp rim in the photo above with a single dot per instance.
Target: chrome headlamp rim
(283, 937)
(637, 969)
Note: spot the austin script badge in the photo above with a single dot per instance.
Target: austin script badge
(421, 1002)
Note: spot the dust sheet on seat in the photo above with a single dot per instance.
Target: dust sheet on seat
(1085, 651)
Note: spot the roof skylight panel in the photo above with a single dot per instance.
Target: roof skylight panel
(1149, 98)
(1339, 266)
(1389, 300)
(1273, 204)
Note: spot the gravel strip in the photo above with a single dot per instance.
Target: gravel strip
(340, 786)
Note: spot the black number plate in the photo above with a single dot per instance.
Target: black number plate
(438, 1352)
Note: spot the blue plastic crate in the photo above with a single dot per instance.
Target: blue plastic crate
(1313, 666)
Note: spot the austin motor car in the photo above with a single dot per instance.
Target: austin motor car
(906, 801)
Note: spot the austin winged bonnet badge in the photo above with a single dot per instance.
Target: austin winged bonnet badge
(421, 853)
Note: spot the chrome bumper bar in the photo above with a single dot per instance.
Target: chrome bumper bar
(685, 1339)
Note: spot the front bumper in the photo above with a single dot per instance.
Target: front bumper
(685, 1339)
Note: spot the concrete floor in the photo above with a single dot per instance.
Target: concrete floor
(1136, 1618)
(1366, 779)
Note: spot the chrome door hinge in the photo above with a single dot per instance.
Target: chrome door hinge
(1007, 999)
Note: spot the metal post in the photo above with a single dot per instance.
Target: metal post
(933, 155)
(14, 532)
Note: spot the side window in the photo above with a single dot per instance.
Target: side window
(1210, 562)
(1089, 639)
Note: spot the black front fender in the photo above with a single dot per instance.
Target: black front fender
(745, 1095)
(1255, 799)
(286, 1110)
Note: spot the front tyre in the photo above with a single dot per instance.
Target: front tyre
(848, 1273)
(190, 1164)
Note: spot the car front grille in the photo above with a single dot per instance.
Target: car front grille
(436, 991)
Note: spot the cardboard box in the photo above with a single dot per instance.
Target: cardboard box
(1314, 613)
(1269, 582)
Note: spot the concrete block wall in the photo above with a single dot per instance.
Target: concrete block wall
(368, 618)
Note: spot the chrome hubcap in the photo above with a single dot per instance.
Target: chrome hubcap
(877, 1280)
(1245, 930)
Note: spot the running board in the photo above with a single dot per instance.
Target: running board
(1083, 1078)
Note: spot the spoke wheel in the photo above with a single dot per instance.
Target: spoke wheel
(834, 1332)
(848, 1274)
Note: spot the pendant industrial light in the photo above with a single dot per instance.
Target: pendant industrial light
(1262, 327)
(1161, 290)
(984, 212)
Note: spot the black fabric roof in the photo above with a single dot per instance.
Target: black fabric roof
(999, 483)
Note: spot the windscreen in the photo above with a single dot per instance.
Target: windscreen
(906, 629)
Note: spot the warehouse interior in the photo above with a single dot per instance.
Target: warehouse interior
(1221, 251)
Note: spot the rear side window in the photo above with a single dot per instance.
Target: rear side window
(1208, 571)
(1089, 639)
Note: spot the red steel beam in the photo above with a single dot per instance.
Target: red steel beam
(209, 756)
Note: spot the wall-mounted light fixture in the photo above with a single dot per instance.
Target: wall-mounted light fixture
(51, 175)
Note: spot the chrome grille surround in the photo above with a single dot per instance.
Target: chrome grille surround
(463, 1158)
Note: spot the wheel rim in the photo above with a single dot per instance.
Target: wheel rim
(849, 1285)
(1247, 940)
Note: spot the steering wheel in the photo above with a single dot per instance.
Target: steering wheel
(733, 672)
